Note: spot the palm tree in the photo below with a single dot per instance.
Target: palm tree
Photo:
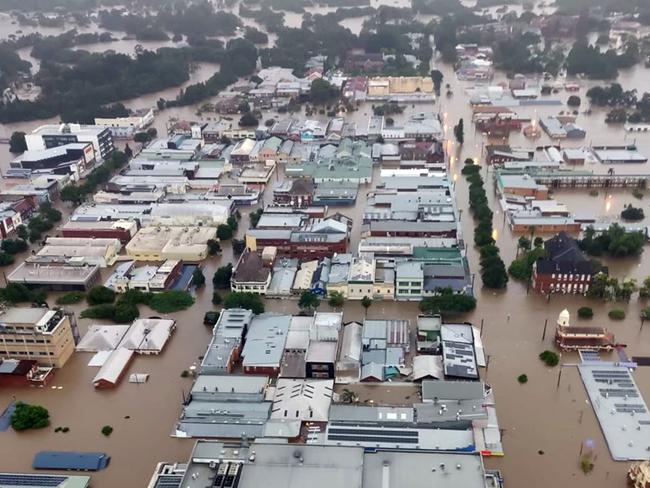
(348, 396)
(366, 302)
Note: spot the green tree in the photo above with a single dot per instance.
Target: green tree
(17, 142)
(224, 232)
(100, 294)
(550, 358)
(27, 416)
(248, 120)
(644, 290)
(221, 278)
(216, 298)
(524, 243)
(601, 287)
(232, 223)
(198, 278)
(213, 247)
(437, 77)
(336, 299)
(14, 246)
(321, 91)
(70, 298)
(348, 396)
(22, 232)
(459, 132)
(6, 259)
(632, 213)
(254, 217)
(447, 302)
(538, 242)
(107, 430)
(248, 301)
(616, 314)
(308, 301)
(238, 246)
(124, 312)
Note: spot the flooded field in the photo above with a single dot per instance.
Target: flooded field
(543, 424)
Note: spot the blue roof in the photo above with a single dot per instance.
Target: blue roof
(70, 460)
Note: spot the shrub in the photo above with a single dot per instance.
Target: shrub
(100, 294)
(336, 299)
(638, 194)
(224, 232)
(221, 278)
(27, 416)
(6, 259)
(107, 430)
(448, 302)
(14, 246)
(216, 298)
(616, 314)
(522, 378)
(632, 213)
(573, 101)
(550, 358)
(585, 312)
(171, 301)
(185, 374)
(70, 298)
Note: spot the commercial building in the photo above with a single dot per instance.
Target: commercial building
(37, 334)
(296, 193)
(49, 136)
(126, 127)
(147, 278)
(56, 276)
(225, 347)
(73, 158)
(522, 185)
(296, 466)
(98, 251)
(265, 342)
(123, 230)
(13, 213)
(31, 480)
(565, 269)
(458, 351)
(209, 213)
(316, 238)
(226, 407)
(159, 243)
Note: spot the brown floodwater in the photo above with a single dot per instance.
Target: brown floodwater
(543, 425)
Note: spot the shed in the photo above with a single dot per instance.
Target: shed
(71, 460)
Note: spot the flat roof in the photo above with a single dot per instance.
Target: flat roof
(32, 480)
(70, 460)
(52, 273)
(266, 339)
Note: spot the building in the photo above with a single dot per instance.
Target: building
(126, 127)
(13, 213)
(361, 279)
(522, 185)
(296, 193)
(304, 400)
(123, 230)
(148, 336)
(409, 280)
(250, 275)
(458, 352)
(565, 269)
(100, 251)
(618, 155)
(56, 276)
(312, 239)
(36, 334)
(225, 406)
(112, 371)
(571, 338)
(225, 347)
(265, 342)
(17, 480)
(146, 278)
(159, 243)
(49, 136)
(397, 85)
(73, 158)
(320, 359)
(352, 466)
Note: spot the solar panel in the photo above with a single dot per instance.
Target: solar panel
(373, 439)
(384, 432)
(31, 480)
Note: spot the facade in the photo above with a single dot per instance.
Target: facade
(72, 158)
(36, 334)
(49, 136)
(564, 270)
(361, 281)
(98, 251)
(409, 280)
(296, 193)
(572, 338)
(522, 185)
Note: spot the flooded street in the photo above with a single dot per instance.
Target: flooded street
(543, 424)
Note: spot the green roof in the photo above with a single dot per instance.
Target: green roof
(438, 254)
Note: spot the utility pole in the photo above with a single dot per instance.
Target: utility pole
(544, 333)
(481, 334)
(559, 377)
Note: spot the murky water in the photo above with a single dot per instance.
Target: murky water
(543, 424)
